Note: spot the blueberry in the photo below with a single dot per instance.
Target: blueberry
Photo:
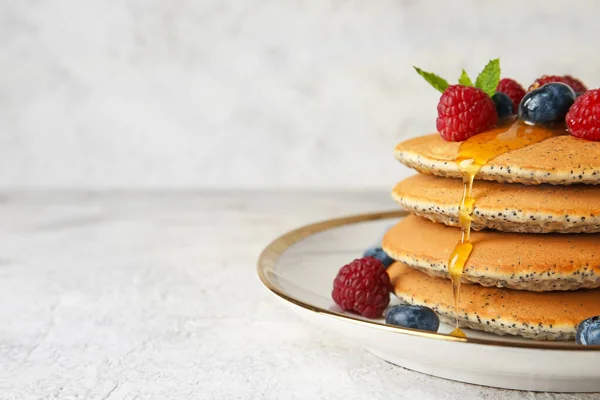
(588, 331)
(549, 103)
(417, 317)
(504, 105)
(379, 254)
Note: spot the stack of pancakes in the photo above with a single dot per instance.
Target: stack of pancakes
(535, 266)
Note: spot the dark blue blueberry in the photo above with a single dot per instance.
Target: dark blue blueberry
(549, 103)
(379, 254)
(588, 331)
(504, 105)
(417, 317)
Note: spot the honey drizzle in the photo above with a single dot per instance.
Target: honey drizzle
(473, 154)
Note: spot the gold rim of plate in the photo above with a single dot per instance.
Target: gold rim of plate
(271, 253)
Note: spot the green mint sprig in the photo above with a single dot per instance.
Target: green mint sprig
(487, 80)
(464, 79)
(438, 83)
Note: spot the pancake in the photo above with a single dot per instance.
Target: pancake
(560, 160)
(535, 262)
(542, 316)
(510, 207)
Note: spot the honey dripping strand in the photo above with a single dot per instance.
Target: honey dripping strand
(473, 154)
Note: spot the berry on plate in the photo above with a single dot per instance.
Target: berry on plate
(583, 118)
(504, 105)
(378, 253)
(512, 89)
(575, 84)
(466, 109)
(417, 317)
(550, 103)
(588, 331)
(362, 286)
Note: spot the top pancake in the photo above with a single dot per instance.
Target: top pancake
(559, 160)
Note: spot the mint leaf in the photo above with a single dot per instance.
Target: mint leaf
(464, 79)
(434, 80)
(488, 78)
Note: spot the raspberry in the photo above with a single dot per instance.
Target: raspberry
(464, 111)
(575, 84)
(513, 90)
(362, 286)
(583, 118)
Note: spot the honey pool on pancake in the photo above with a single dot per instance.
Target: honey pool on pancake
(473, 154)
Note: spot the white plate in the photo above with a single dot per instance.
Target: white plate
(299, 268)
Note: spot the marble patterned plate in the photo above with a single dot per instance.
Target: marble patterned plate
(299, 267)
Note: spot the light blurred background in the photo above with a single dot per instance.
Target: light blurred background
(218, 94)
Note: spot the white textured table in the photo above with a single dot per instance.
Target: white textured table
(154, 296)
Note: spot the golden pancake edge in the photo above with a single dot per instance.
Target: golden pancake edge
(504, 206)
(532, 262)
(540, 316)
(560, 160)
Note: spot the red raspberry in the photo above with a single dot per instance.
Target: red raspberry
(363, 286)
(464, 111)
(583, 118)
(512, 89)
(575, 84)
